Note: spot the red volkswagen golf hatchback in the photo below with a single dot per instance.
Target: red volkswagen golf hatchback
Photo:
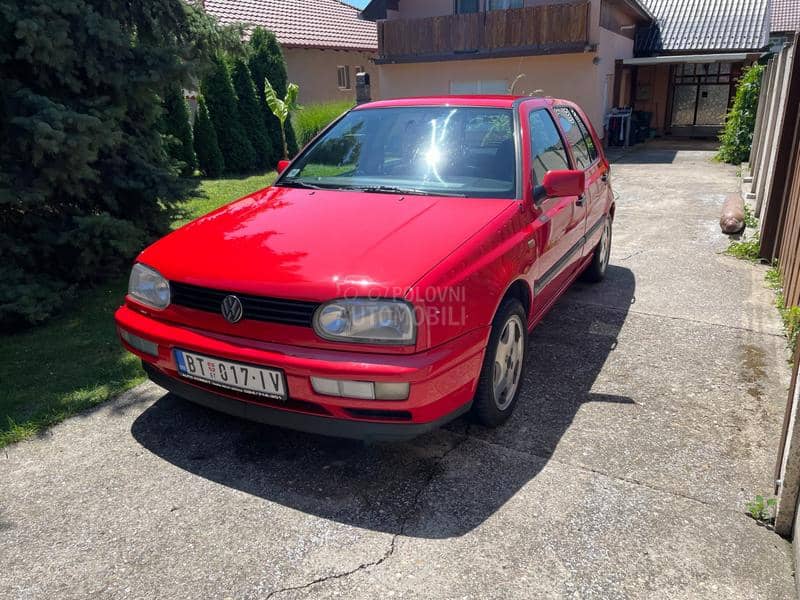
(386, 283)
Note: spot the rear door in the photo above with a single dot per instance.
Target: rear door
(587, 155)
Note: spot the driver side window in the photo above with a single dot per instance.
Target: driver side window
(547, 147)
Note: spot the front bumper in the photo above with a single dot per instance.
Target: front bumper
(442, 380)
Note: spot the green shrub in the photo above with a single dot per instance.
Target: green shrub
(746, 249)
(220, 99)
(252, 116)
(312, 119)
(84, 176)
(266, 62)
(737, 136)
(209, 156)
(176, 125)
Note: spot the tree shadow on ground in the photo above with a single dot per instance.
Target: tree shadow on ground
(379, 487)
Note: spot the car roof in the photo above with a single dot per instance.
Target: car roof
(505, 101)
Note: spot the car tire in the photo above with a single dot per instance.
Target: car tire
(596, 270)
(499, 384)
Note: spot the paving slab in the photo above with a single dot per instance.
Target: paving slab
(650, 414)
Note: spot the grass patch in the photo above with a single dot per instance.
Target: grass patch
(213, 193)
(790, 315)
(750, 219)
(313, 118)
(762, 509)
(745, 250)
(74, 362)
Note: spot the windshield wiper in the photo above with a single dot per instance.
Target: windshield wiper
(295, 183)
(390, 189)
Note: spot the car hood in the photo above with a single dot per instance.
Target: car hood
(320, 244)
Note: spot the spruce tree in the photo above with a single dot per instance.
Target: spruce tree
(252, 116)
(85, 181)
(206, 146)
(176, 126)
(267, 63)
(222, 108)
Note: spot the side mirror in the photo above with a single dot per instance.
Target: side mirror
(282, 164)
(564, 182)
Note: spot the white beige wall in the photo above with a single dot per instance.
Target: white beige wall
(610, 48)
(570, 76)
(315, 71)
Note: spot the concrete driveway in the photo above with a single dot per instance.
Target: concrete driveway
(650, 414)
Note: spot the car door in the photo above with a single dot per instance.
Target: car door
(553, 217)
(586, 152)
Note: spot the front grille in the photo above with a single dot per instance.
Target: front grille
(256, 308)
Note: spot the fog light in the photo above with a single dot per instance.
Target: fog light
(391, 391)
(357, 389)
(363, 390)
(141, 344)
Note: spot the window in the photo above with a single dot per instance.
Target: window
(343, 74)
(503, 4)
(466, 6)
(484, 86)
(587, 137)
(569, 126)
(433, 150)
(547, 148)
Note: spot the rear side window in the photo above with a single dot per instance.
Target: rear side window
(572, 130)
(547, 148)
(590, 145)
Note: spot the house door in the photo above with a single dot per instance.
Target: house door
(701, 94)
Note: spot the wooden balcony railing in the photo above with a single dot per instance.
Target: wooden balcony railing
(541, 29)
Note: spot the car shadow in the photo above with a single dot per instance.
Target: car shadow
(379, 487)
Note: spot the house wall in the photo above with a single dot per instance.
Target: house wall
(610, 48)
(586, 78)
(315, 71)
(570, 76)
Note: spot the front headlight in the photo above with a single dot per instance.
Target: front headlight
(148, 287)
(367, 321)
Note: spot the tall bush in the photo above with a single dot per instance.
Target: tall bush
(84, 177)
(206, 146)
(267, 63)
(316, 117)
(220, 99)
(252, 116)
(737, 136)
(176, 126)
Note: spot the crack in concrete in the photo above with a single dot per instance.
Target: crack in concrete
(400, 532)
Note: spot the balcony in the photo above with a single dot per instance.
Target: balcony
(545, 29)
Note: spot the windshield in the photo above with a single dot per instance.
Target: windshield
(430, 150)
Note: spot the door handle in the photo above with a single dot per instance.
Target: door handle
(581, 200)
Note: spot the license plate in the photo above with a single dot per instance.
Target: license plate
(232, 375)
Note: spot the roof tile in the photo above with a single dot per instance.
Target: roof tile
(704, 25)
(318, 24)
(785, 15)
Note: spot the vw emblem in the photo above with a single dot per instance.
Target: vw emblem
(232, 309)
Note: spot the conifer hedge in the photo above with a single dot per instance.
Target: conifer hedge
(223, 109)
(209, 157)
(252, 116)
(85, 180)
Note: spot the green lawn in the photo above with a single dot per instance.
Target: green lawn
(75, 362)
